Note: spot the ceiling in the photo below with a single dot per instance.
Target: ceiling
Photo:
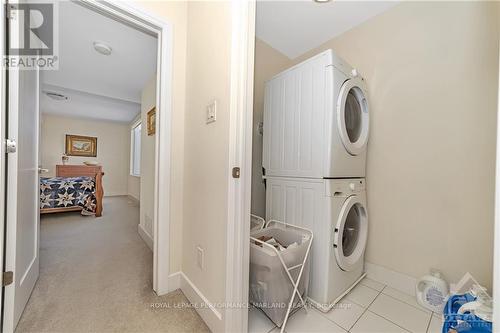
(295, 27)
(84, 105)
(86, 73)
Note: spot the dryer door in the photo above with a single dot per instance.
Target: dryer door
(353, 116)
(350, 233)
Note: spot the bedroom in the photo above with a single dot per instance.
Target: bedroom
(96, 165)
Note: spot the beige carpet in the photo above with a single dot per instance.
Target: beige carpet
(96, 276)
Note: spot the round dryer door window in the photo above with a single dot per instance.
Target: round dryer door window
(353, 116)
(351, 232)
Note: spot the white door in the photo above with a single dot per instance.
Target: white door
(353, 116)
(350, 233)
(22, 211)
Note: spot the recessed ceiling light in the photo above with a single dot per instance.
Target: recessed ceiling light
(56, 96)
(321, 1)
(103, 48)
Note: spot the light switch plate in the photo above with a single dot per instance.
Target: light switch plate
(212, 112)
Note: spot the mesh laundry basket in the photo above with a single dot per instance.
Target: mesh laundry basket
(256, 222)
(277, 275)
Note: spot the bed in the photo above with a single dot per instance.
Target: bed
(75, 188)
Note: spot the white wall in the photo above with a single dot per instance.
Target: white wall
(268, 62)
(207, 146)
(112, 148)
(432, 74)
(147, 178)
(175, 13)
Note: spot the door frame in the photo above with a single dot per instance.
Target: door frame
(240, 154)
(136, 16)
(3, 159)
(132, 14)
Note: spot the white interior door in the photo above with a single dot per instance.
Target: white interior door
(22, 211)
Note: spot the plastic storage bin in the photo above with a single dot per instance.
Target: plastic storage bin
(274, 274)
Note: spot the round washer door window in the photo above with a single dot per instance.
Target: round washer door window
(353, 116)
(351, 233)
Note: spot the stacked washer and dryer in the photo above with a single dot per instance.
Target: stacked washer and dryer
(316, 125)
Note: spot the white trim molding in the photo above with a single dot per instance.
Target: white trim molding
(496, 239)
(240, 155)
(205, 308)
(396, 280)
(174, 281)
(146, 237)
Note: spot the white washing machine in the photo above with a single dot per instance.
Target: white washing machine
(336, 211)
(316, 120)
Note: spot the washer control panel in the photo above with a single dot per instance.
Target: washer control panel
(343, 187)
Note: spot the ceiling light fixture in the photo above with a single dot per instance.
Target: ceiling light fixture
(56, 96)
(321, 1)
(103, 48)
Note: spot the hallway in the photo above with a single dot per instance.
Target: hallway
(96, 276)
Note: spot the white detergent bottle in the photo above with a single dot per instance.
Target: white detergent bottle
(432, 291)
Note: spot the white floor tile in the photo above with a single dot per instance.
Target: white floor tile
(362, 295)
(436, 325)
(258, 321)
(345, 314)
(400, 313)
(408, 299)
(378, 286)
(371, 323)
(312, 321)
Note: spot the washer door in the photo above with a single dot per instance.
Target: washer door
(353, 117)
(351, 231)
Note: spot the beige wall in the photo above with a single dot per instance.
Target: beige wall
(134, 187)
(147, 179)
(268, 62)
(175, 13)
(112, 148)
(432, 75)
(206, 145)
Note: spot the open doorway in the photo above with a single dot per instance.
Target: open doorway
(98, 159)
(100, 107)
(326, 156)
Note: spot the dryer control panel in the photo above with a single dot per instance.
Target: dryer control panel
(344, 187)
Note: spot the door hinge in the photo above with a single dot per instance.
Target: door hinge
(10, 146)
(236, 172)
(9, 13)
(7, 278)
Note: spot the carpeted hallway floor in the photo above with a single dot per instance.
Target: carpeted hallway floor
(96, 276)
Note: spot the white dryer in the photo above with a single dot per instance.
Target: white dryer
(336, 211)
(316, 120)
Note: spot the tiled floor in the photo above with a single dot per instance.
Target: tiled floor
(370, 307)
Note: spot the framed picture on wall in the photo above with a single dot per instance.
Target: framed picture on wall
(152, 121)
(78, 145)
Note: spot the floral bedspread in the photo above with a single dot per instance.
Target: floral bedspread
(59, 192)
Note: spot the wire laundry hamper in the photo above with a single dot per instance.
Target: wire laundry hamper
(279, 279)
(256, 222)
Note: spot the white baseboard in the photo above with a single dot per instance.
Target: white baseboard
(210, 315)
(115, 194)
(145, 236)
(396, 280)
(174, 282)
(134, 199)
